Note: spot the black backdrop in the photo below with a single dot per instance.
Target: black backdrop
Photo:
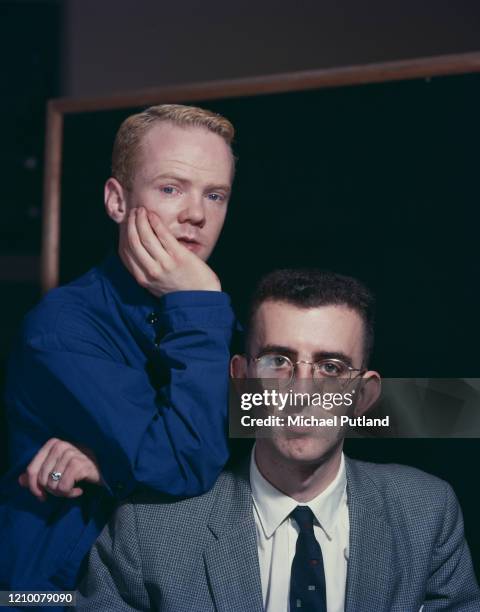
(378, 181)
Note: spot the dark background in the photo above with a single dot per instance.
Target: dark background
(378, 181)
(30, 51)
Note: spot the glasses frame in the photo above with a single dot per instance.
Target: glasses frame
(314, 365)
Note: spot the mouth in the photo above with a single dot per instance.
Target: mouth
(190, 243)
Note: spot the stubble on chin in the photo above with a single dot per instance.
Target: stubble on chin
(306, 450)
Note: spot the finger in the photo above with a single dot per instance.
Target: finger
(125, 250)
(168, 241)
(49, 463)
(148, 238)
(94, 475)
(66, 483)
(35, 465)
(75, 470)
(134, 269)
(135, 247)
(127, 240)
(75, 492)
(61, 462)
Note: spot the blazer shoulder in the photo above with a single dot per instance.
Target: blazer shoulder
(403, 484)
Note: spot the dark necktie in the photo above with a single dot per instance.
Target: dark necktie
(307, 580)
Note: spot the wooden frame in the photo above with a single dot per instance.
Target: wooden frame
(282, 83)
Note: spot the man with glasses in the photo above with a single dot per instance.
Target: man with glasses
(299, 526)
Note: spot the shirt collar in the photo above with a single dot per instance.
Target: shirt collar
(273, 506)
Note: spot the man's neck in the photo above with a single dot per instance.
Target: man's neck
(301, 481)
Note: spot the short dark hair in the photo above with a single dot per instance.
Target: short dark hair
(310, 288)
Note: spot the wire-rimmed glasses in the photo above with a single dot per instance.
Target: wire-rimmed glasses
(274, 366)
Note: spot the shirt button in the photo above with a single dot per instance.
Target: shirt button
(152, 318)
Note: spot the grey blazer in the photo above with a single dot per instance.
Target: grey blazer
(407, 549)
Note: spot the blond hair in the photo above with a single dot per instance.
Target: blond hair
(129, 136)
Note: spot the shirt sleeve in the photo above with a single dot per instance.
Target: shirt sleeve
(172, 438)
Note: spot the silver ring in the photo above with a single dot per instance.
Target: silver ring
(55, 476)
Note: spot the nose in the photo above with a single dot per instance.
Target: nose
(193, 210)
(304, 370)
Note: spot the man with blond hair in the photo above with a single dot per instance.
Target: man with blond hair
(119, 379)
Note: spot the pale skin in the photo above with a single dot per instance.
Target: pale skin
(295, 461)
(170, 218)
(76, 464)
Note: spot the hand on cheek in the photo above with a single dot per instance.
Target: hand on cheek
(156, 259)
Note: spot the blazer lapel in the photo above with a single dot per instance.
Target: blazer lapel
(232, 559)
(371, 574)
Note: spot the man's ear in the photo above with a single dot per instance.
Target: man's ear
(115, 201)
(368, 392)
(238, 366)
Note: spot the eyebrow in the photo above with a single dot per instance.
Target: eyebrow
(293, 354)
(172, 176)
(186, 181)
(317, 356)
(278, 348)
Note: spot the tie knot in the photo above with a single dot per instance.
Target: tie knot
(303, 517)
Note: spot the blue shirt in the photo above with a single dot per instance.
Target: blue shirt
(141, 381)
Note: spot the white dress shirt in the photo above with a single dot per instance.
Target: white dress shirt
(277, 535)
